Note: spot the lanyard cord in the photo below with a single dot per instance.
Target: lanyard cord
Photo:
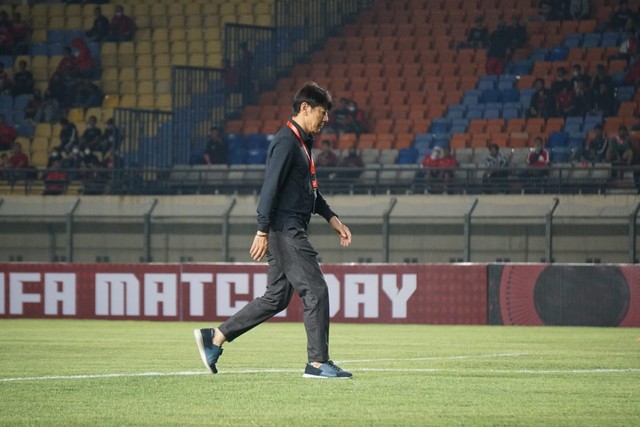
(312, 165)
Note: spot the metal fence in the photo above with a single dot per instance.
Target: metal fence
(254, 57)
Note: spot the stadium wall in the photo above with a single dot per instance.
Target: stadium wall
(477, 294)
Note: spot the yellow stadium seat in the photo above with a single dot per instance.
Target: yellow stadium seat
(53, 63)
(128, 87)
(211, 22)
(246, 19)
(160, 35)
(126, 48)
(43, 130)
(143, 23)
(40, 143)
(163, 73)
(177, 22)
(75, 115)
(110, 86)
(39, 159)
(144, 60)
(196, 46)
(214, 46)
(176, 35)
(74, 23)
(111, 101)
(129, 101)
(109, 73)
(56, 23)
(162, 60)
(214, 60)
(39, 35)
(140, 9)
(193, 9)
(162, 87)
(159, 21)
(163, 102)
(210, 9)
(158, 9)
(195, 29)
(175, 9)
(143, 47)
(263, 20)
(147, 101)
(179, 59)
(73, 10)
(178, 47)
(161, 48)
(127, 74)
(145, 73)
(197, 60)
(263, 8)
(145, 88)
(244, 8)
(227, 8)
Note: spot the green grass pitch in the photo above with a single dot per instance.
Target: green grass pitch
(114, 373)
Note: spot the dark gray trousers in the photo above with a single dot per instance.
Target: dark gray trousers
(293, 265)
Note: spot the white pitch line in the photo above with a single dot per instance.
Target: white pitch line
(418, 359)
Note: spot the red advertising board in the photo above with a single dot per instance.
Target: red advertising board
(371, 293)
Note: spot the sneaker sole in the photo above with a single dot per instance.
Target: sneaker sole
(324, 378)
(200, 343)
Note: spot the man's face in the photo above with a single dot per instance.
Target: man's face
(318, 117)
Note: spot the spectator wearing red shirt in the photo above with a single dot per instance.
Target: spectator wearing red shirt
(122, 28)
(6, 38)
(84, 62)
(537, 161)
(19, 160)
(55, 179)
(67, 67)
(7, 134)
(633, 73)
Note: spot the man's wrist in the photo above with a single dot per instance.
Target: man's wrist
(262, 234)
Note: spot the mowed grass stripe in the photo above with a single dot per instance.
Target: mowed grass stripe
(404, 375)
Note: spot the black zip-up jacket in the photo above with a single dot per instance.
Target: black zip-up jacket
(287, 198)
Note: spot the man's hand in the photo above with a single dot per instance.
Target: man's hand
(342, 230)
(259, 246)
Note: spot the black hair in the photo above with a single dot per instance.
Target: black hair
(314, 95)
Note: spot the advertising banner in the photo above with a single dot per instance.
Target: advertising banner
(370, 293)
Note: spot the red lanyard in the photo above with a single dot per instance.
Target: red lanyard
(312, 165)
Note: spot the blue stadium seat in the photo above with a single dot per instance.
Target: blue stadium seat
(455, 111)
(510, 113)
(490, 95)
(576, 143)
(573, 40)
(591, 40)
(558, 139)
(7, 60)
(459, 125)
(21, 101)
(492, 113)
(487, 82)
(538, 54)
(475, 112)
(610, 39)
(439, 125)
(6, 102)
(69, 35)
(407, 156)
(39, 49)
(522, 67)
(572, 127)
(55, 49)
(625, 93)
(558, 53)
(510, 95)
(560, 154)
(56, 36)
(590, 122)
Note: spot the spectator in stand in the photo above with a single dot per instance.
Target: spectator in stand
(85, 67)
(431, 162)
(111, 138)
(122, 28)
(581, 100)
(621, 18)
(6, 37)
(565, 101)
(517, 33)
(22, 80)
(5, 80)
(579, 9)
(217, 151)
(619, 152)
(561, 82)
(55, 179)
(88, 94)
(578, 75)
(244, 68)
(326, 158)
(595, 149)
(63, 92)
(73, 163)
(8, 134)
(68, 66)
(356, 119)
(351, 161)
(229, 75)
(604, 100)
(499, 49)
(632, 77)
(42, 110)
(68, 136)
(20, 31)
(542, 102)
(90, 159)
(601, 76)
(478, 37)
(628, 47)
(100, 28)
(538, 158)
(496, 166)
(91, 136)
(338, 118)
(19, 163)
(552, 10)
(5, 166)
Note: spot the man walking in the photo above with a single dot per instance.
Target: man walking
(288, 198)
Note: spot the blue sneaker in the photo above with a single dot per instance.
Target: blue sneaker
(327, 370)
(209, 352)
